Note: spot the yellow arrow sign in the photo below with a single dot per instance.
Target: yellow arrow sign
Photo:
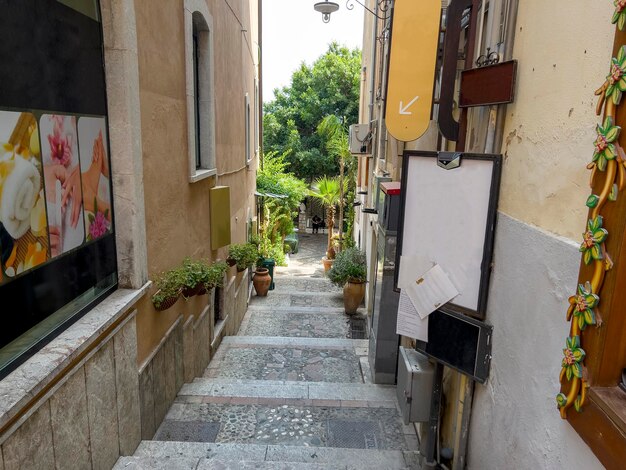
(412, 62)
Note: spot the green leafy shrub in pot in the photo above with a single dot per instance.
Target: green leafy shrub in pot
(350, 264)
(244, 255)
(169, 286)
(193, 276)
(215, 274)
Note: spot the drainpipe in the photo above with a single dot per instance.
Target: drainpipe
(260, 110)
(509, 40)
(373, 71)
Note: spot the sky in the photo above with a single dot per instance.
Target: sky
(294, 33)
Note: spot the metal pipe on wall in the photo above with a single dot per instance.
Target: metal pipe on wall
(509, 40)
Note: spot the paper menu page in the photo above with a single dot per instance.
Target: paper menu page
(409, 322)
(430, 291)
(410, 268)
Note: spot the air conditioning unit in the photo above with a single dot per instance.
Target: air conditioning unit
(361, 138)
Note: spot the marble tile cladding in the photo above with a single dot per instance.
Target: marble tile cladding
(127, 388)
(31, 445)
(146, 396)
(188, 351)
(70, 425)
(102, 407)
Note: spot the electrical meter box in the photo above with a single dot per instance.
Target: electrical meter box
(415, 385)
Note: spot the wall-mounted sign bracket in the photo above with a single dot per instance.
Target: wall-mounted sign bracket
(448, 126)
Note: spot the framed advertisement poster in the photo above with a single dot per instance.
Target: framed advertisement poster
(57, 243)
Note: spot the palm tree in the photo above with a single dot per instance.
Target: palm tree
(333, 130)
(328, 191)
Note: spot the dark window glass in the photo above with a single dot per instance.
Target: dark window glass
(57, 243)
(196, 94)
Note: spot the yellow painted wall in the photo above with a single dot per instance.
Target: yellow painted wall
(563, 49)
(177, 212)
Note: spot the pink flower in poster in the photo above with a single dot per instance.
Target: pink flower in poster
(60, 144)
(99, 226)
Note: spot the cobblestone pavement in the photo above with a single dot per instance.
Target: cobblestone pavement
(293, 323)
(290, 425)
(311, 365)
(290, 391)
(299, 299)
(308, 261)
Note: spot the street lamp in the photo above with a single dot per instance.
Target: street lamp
(326, 8)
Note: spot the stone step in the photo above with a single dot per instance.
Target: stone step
(275, 457)
(292, 359)
(303, 284)
(333, 424)
(268, 307)
(310, 393)
(303, 322)
(286, 342)
(299, 299)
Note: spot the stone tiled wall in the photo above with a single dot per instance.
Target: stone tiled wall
(89, 419)
(160, 378)
(185, 352)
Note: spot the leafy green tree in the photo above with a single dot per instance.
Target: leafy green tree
(286, 193)
(330, 86)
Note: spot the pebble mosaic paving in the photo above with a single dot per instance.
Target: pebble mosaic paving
(291, 379)
(294, 364)
(274, 300)
(284, 323)
(286, 284)
(293, 425)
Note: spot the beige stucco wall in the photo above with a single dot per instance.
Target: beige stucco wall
(563, 49)
(177, 212)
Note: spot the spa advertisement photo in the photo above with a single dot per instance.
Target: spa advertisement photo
(54, 187)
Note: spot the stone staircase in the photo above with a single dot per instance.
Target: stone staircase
(289, 392)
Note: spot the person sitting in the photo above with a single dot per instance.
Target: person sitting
(317, 222)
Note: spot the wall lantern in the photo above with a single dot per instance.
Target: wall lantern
(326, 8)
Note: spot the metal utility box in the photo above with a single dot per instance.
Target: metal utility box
(415, 385)
(389, 205)
(360, 139)
(219, 207)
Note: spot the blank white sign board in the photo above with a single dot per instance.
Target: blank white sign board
(448, 220)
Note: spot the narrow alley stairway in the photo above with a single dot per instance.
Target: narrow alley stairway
(290, 391)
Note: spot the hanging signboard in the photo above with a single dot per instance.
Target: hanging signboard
(412, 62)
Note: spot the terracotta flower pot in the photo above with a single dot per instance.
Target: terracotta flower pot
(353, 294)
(328, 263)
(261, 281)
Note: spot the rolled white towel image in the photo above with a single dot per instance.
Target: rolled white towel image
(19, 195)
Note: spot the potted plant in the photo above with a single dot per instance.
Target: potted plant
(350, 272)
(168, 290)
(266, 257)
(193, 277)
(262, 281)
(328, 192)
(215, 275)
(244, 255)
